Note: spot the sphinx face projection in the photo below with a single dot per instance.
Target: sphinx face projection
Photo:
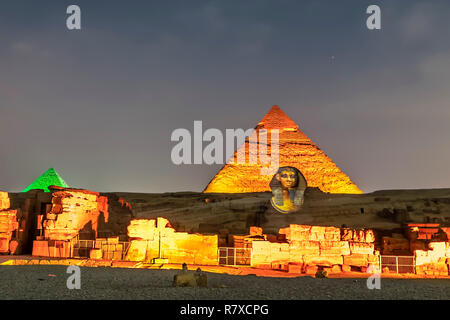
(288, 187)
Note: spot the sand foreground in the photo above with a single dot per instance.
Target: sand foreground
(49, 282)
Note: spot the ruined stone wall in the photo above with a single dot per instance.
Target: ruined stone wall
(8, 224)
(309, 247)
(434, 261)
(72, 210)
(430, 244)
(155, 238)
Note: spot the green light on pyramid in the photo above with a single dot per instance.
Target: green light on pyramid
(49, 178)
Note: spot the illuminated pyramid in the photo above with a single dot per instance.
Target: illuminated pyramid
(295, 150)
(49, 178)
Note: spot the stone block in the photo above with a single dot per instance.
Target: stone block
(40, 248)
(311, 269)
(295, 268)
(256, 231)
(356, 260)
(142, 229)
(137, 250)
(346, 268)
(336, 269)
(96, 254)
(438, 248)
(296, 232)
(329, 248)
(322, 260)
(4, 245)
(14, 247)
(300, 248)
(361, 248)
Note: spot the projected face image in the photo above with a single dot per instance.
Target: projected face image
(288, 186)
(288, 179)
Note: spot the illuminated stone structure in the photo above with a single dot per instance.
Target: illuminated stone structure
(71, 211)
(156, 239)
(305, 248)
(295, 150)
(8, 224)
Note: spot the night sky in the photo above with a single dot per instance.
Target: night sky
(99, 104)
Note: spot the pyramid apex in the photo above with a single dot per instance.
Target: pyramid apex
(48, 178)
(276, 118)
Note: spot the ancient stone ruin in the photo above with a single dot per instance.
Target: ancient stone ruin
(78, 223)
(71, 211)
(8, 225)
(152, 239)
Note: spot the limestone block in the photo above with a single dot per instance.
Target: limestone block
(438, 248)
(143, 229)
(40, 248)
(14, 247)
(363, 235)
(4, 245)
(317, 233)
(435, 268)
(4, 201)
(332, 234)
(311, 269)
(347, 234)
(346, 268)
(356, 260)
(300, 248)
(373, 259)
(261, 253)
(295, 268)
(334, 248)
(279, 251)
(361, 247)
(359, 236)
(8, 222)
(256, 231)
(296, 232)
(322, 260)
(336, 269)
(96, 254)
(181, 247)
(137, 250)
(369, 236)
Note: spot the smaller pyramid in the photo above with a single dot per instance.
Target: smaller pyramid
(49, 178)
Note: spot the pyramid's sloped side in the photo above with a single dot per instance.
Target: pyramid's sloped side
(49, 178)
(296, 150)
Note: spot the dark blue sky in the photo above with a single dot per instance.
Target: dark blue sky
(100, 104)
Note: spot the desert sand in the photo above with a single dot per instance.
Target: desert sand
(49, 282)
